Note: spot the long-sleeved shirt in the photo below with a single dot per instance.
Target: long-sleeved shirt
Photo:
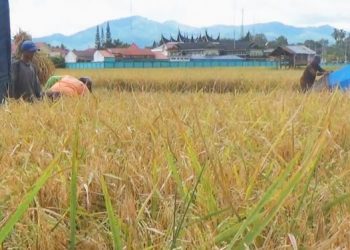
(309, 76)
(24, 82)
(69, 86)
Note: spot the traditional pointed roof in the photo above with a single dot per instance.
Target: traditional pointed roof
(248, 37)
(181, 38)
(155, 44)
(163, 40)
(199, 38)
(208, 38)
(185, 38)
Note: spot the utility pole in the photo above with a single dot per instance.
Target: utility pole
(5, 48)
(234, 18)
(242, 27)
(131, 15)
(234, 39)
(346, 51)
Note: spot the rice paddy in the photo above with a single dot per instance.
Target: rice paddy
(178, 159)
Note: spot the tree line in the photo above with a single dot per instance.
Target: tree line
(105, 41)
(339, 51)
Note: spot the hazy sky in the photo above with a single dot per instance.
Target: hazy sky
(44, 17)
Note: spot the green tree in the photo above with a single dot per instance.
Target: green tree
(281, 41)
(339, 35)
(103, 40)
(109, 42)
(335, 34)
(98, 38)
(119, 44)
(260, 40)
(317, 46)
(58, 61)
(347, 48)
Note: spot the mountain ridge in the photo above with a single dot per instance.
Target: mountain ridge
(144, 32)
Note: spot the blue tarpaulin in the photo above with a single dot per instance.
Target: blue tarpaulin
(340, 78)
(5, 47)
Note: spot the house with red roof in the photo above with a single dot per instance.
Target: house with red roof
(103, 56)
(58, 52)
(75, 56)
(132, 52)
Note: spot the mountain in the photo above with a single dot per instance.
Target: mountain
(144, 31)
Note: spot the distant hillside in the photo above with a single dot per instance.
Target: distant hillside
(144, 31)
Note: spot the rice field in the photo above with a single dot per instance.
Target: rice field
(178, 159)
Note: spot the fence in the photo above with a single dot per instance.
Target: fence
(171, 64)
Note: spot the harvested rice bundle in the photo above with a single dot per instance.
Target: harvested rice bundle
(42, 63)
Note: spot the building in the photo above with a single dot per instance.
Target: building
(58, 52)
(267, 52)
(103, 56)
(162, 51)
(185, 47)
(242, 49)
(293, 56)
(159, 56)
(132, 52)
(181, 38)
(75, 56)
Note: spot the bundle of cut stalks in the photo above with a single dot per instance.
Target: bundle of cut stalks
(42, 63)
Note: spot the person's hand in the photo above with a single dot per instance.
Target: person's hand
(53, 95)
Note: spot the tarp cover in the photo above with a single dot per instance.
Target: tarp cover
(340, 78)
(5, 47)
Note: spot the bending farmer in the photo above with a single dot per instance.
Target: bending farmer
(68, 86)
(309, 76)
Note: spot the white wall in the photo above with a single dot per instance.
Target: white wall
(98, 57)
(71, 57)
(162, 49)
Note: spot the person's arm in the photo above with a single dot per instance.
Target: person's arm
(52, 95)
(37, 85)
(320, 71)
(37, 88)
(14, 79)
(52, 81)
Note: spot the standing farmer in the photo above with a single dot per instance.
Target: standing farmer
(24, 78)
(5, 48)
(309, 76)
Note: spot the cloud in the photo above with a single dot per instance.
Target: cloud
(43, 17)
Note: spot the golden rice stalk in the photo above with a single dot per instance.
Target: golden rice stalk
(42, 62)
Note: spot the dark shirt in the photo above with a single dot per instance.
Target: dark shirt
(309, 76)
(24, 82)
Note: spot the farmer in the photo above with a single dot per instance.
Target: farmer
(58, 86)
(24, 78)
(309, 76)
